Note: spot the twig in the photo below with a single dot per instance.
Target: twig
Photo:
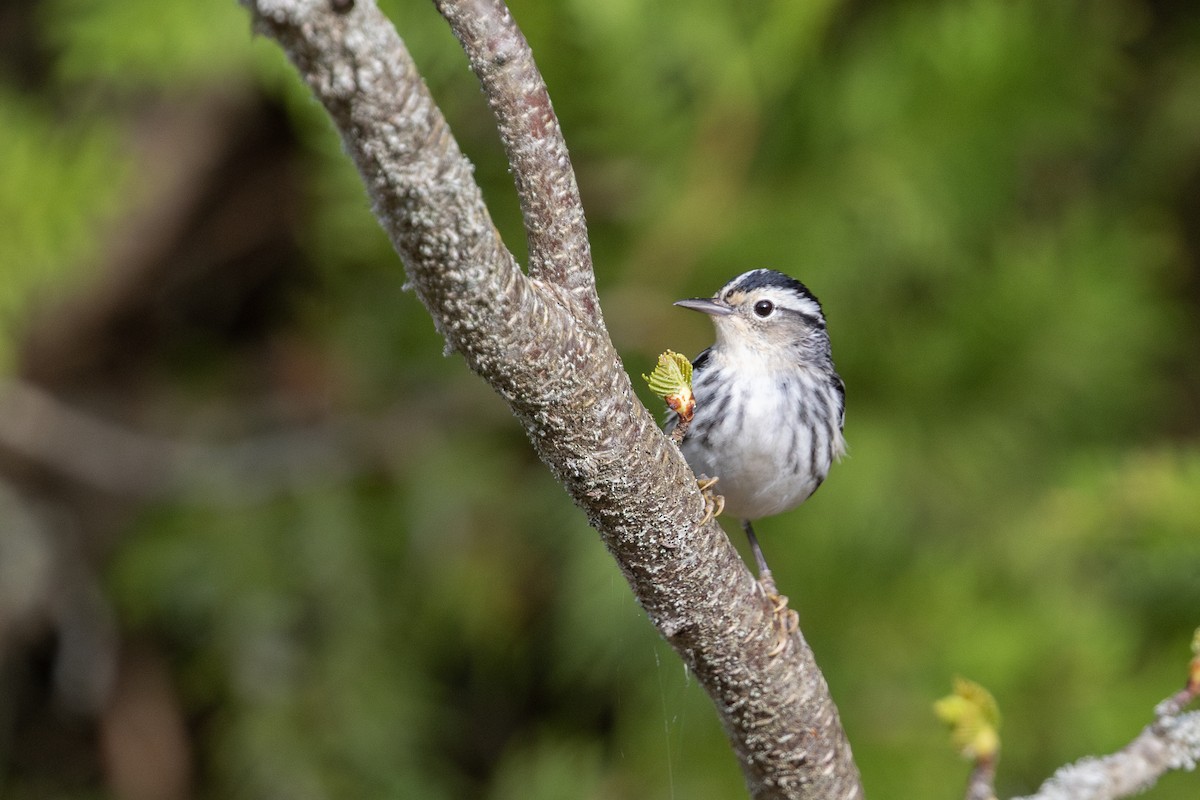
(1169, 743)
(106, 456)
(981, 785)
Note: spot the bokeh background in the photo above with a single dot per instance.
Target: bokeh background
(259, 538)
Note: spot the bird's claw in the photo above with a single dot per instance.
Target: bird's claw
(714, 503)
(785, 620)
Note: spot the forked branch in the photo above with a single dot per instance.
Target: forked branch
(538, 339)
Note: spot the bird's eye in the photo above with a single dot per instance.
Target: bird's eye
(763, 308)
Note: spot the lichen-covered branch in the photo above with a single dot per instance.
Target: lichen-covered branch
(1169, 743)
(539, 341)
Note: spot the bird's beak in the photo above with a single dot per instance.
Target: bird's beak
(706, 306)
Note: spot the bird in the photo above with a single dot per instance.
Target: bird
(770, 406)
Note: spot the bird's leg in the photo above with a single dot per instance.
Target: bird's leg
(714, 503)
(764, 572)
(786, 619)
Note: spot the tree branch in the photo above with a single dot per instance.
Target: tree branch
(981, 785)
(1169, 743)
(500, 57)
(93, 452)
(539, 341)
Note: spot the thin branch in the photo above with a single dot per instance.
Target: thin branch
(500, 57)
(550, 357)
(106, 456)
(981, 785)
(1169, 743)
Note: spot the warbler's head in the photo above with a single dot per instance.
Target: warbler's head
(766, 313)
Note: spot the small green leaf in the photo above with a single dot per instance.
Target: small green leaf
(974, 720)
(672, 376)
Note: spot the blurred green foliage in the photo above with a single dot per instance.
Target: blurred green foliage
(995, 199)
(59, 179)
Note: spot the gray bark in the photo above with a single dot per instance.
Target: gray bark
(539, 340)
(1172, 742)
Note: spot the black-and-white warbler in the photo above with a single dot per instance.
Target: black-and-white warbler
(769, 403)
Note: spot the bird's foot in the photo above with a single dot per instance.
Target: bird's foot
(785, 620)
(714, 503)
